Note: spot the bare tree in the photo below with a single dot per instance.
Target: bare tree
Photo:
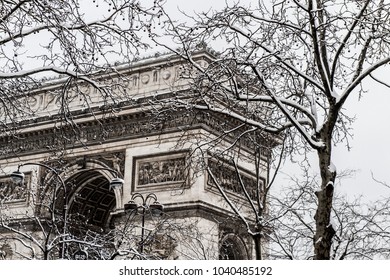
(361, 227)
(251, 207)
(74, 40)
(41, 230)
(291, 65)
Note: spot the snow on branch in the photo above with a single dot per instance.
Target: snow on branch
(58, 70)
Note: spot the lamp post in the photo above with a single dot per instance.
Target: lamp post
(147, 203)
(18, 177)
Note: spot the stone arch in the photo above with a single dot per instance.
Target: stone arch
(87, 195)
(232, 247)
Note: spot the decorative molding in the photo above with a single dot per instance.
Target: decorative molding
(123, 127)
(48, 100)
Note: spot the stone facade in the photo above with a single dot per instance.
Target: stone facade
(124, 139)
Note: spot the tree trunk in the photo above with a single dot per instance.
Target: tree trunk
(257, 240)
(324, 229)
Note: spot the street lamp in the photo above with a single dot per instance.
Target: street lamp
(116, 183)
(17, 176)
(148, 203)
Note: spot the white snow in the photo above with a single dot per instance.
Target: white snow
(319, 240)
(332, 167)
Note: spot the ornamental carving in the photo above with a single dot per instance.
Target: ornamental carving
(48, 102)
(6, 251)
(228, 179)
(114, 160)
(166, 74)
(160, 170)
(145, 79)
(12, 192)
(124, 127)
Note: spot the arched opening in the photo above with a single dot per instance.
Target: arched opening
(77, 211)
(232, 248)
(87, 202)
(91, 200)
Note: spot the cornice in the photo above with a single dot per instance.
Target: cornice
(117, 128)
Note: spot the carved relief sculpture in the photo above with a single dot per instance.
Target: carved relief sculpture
(12, 192)
(154, 171)
(227, 178)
